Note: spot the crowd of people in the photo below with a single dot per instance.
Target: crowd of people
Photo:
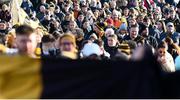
(96, 29)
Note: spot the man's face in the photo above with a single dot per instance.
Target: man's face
(111, 42)
(134, 32)
(81, 18)
(26, 44)
(84, 9)
(170, 28)
(145, 32)
(167, 15)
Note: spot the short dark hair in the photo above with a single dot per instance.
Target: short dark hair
(24, 30)
(48, 38)
(162, 44)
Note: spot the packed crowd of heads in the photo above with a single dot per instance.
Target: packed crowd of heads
(96, 29)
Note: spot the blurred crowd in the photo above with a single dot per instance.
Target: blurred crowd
(96, 29)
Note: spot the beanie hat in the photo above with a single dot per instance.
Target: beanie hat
(125, 48)
(123, 27)
(101, 26)
(91, 48)
(110, 21)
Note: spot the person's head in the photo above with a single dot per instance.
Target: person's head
(134, 29)
(109, 22)
(57, 9)
(4, 7)
(26, 40)
(172, 13)
(113, 4)
(145, 52)
(132, 20)
(67, 42)
(167, 13)
(170, 27)
(109, 31)
(86, 24)
(161, 25)
(72, 25)
(116, 15)
(126, 12)
(84, 8)
(47, 43)
(145, 31)
(76, 7)
(43, 1)
(3, 25)
(140, 18)
(162, 49)
(81, 17)
(112, 40)
(147, 21)
(178, 8)
(91, 51)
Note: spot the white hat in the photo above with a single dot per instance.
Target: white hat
(91, 48)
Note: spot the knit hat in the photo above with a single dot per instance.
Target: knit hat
(125, 48)
(91, 48)
(101, 26)
(123, 27)
(110, 21)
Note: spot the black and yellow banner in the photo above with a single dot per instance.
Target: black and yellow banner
(23, 77)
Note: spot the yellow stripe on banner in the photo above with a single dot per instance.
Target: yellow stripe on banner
(20, 77)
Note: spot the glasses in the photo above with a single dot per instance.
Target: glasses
(67, 43)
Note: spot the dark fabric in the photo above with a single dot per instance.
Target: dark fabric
(100, 79)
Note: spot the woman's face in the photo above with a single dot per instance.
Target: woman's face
(85, 25)
(159, 25)
(66, 45)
